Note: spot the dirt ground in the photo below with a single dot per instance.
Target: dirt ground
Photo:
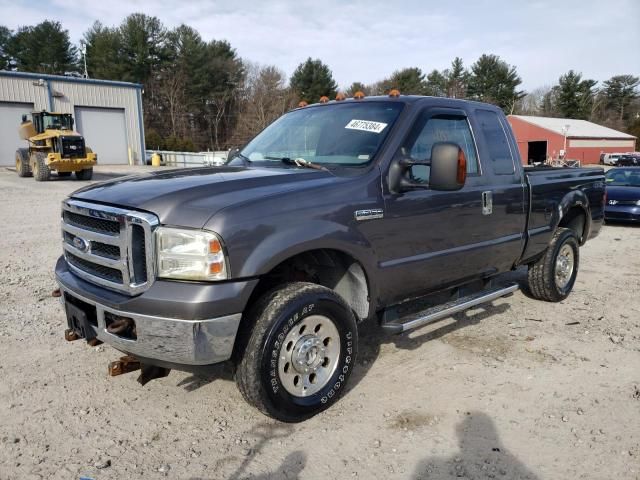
(519, 389)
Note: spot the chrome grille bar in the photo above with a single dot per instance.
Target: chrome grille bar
(99, 227)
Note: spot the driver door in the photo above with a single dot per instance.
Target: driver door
(434, 238)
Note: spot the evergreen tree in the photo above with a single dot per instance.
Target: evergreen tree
(43, 48)
(312, 79)
(494, 81)
(5, 57)
(436, 84)
(619, 92)
(409, 81)
(357, 87)
(457, 78)
(573, 96)
(142, 46)
(103, 47)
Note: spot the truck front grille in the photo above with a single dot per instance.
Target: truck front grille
(109, 246)
(73, 147)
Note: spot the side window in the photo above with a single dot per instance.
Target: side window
(496, 141)
(439, 128)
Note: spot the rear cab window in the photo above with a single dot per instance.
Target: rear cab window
(500, 158)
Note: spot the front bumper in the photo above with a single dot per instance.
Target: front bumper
(622, 213)
(173, 319)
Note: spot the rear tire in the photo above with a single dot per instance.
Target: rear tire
(304, 339)
(552, 277)
(41, 171)
(22, 164)
(85, 174)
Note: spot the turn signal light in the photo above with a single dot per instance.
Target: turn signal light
(394, 93)
(214, 246)
(462, 167)
(216, 268)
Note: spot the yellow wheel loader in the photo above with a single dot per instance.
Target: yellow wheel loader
(53, 146)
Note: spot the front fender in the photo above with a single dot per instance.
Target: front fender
(282, 244)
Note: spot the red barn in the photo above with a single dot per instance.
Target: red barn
(542, 137)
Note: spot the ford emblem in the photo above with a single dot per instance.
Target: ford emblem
(81, 244)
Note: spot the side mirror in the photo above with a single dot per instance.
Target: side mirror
(233, 153)
(448, 167)
(447, 170)
(24, 118)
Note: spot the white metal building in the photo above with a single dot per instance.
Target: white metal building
(107, 113)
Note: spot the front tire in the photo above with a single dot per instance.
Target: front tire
(552, 277)
(300, 352)
(41, 171)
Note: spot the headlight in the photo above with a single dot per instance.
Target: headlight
(638, 202)
(189, 254)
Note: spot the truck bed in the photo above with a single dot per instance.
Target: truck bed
(551, 190)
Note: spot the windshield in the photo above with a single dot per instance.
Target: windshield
(623, 177)
(341, 134)
(56, 122)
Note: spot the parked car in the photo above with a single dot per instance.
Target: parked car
(623, 194)
(629, 160)
(612, 158)
(336, 213)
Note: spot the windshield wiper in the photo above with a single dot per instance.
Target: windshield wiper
(298, 162)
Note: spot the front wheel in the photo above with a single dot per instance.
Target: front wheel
(300, 352)
(552, 277)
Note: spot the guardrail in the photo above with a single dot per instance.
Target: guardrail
(189, 159)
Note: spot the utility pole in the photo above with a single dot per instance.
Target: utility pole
(83, 50)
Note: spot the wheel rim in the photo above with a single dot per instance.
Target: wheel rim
(565, 262)
(309, 356)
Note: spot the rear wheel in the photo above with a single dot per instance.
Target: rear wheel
(85, 174)
(552, 277)
(300, 353)
(22, 164)
(41, 171)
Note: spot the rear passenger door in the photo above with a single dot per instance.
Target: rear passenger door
(506, 216)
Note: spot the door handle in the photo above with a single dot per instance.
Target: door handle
(487, 202)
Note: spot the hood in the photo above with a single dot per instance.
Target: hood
(623, 193)
(189, 197)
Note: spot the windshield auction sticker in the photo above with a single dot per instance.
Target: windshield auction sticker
(366, 126)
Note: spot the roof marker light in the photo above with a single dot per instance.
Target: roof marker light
(324, 99)
(358, 95)
(394, 93)
(302, 104)
(340, 96)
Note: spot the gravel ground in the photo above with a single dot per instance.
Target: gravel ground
(516, 389)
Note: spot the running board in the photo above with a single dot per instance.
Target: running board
(445, 310)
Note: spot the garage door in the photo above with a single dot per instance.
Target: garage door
(10, 118)
(105, 132)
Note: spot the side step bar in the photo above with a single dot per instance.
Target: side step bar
(445, 310)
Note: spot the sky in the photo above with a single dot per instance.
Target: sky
(367, 40)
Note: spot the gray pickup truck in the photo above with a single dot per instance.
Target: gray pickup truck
(401, 210)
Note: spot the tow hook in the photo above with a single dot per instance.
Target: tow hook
(70, 335)
(126, 364)
(129, 363)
